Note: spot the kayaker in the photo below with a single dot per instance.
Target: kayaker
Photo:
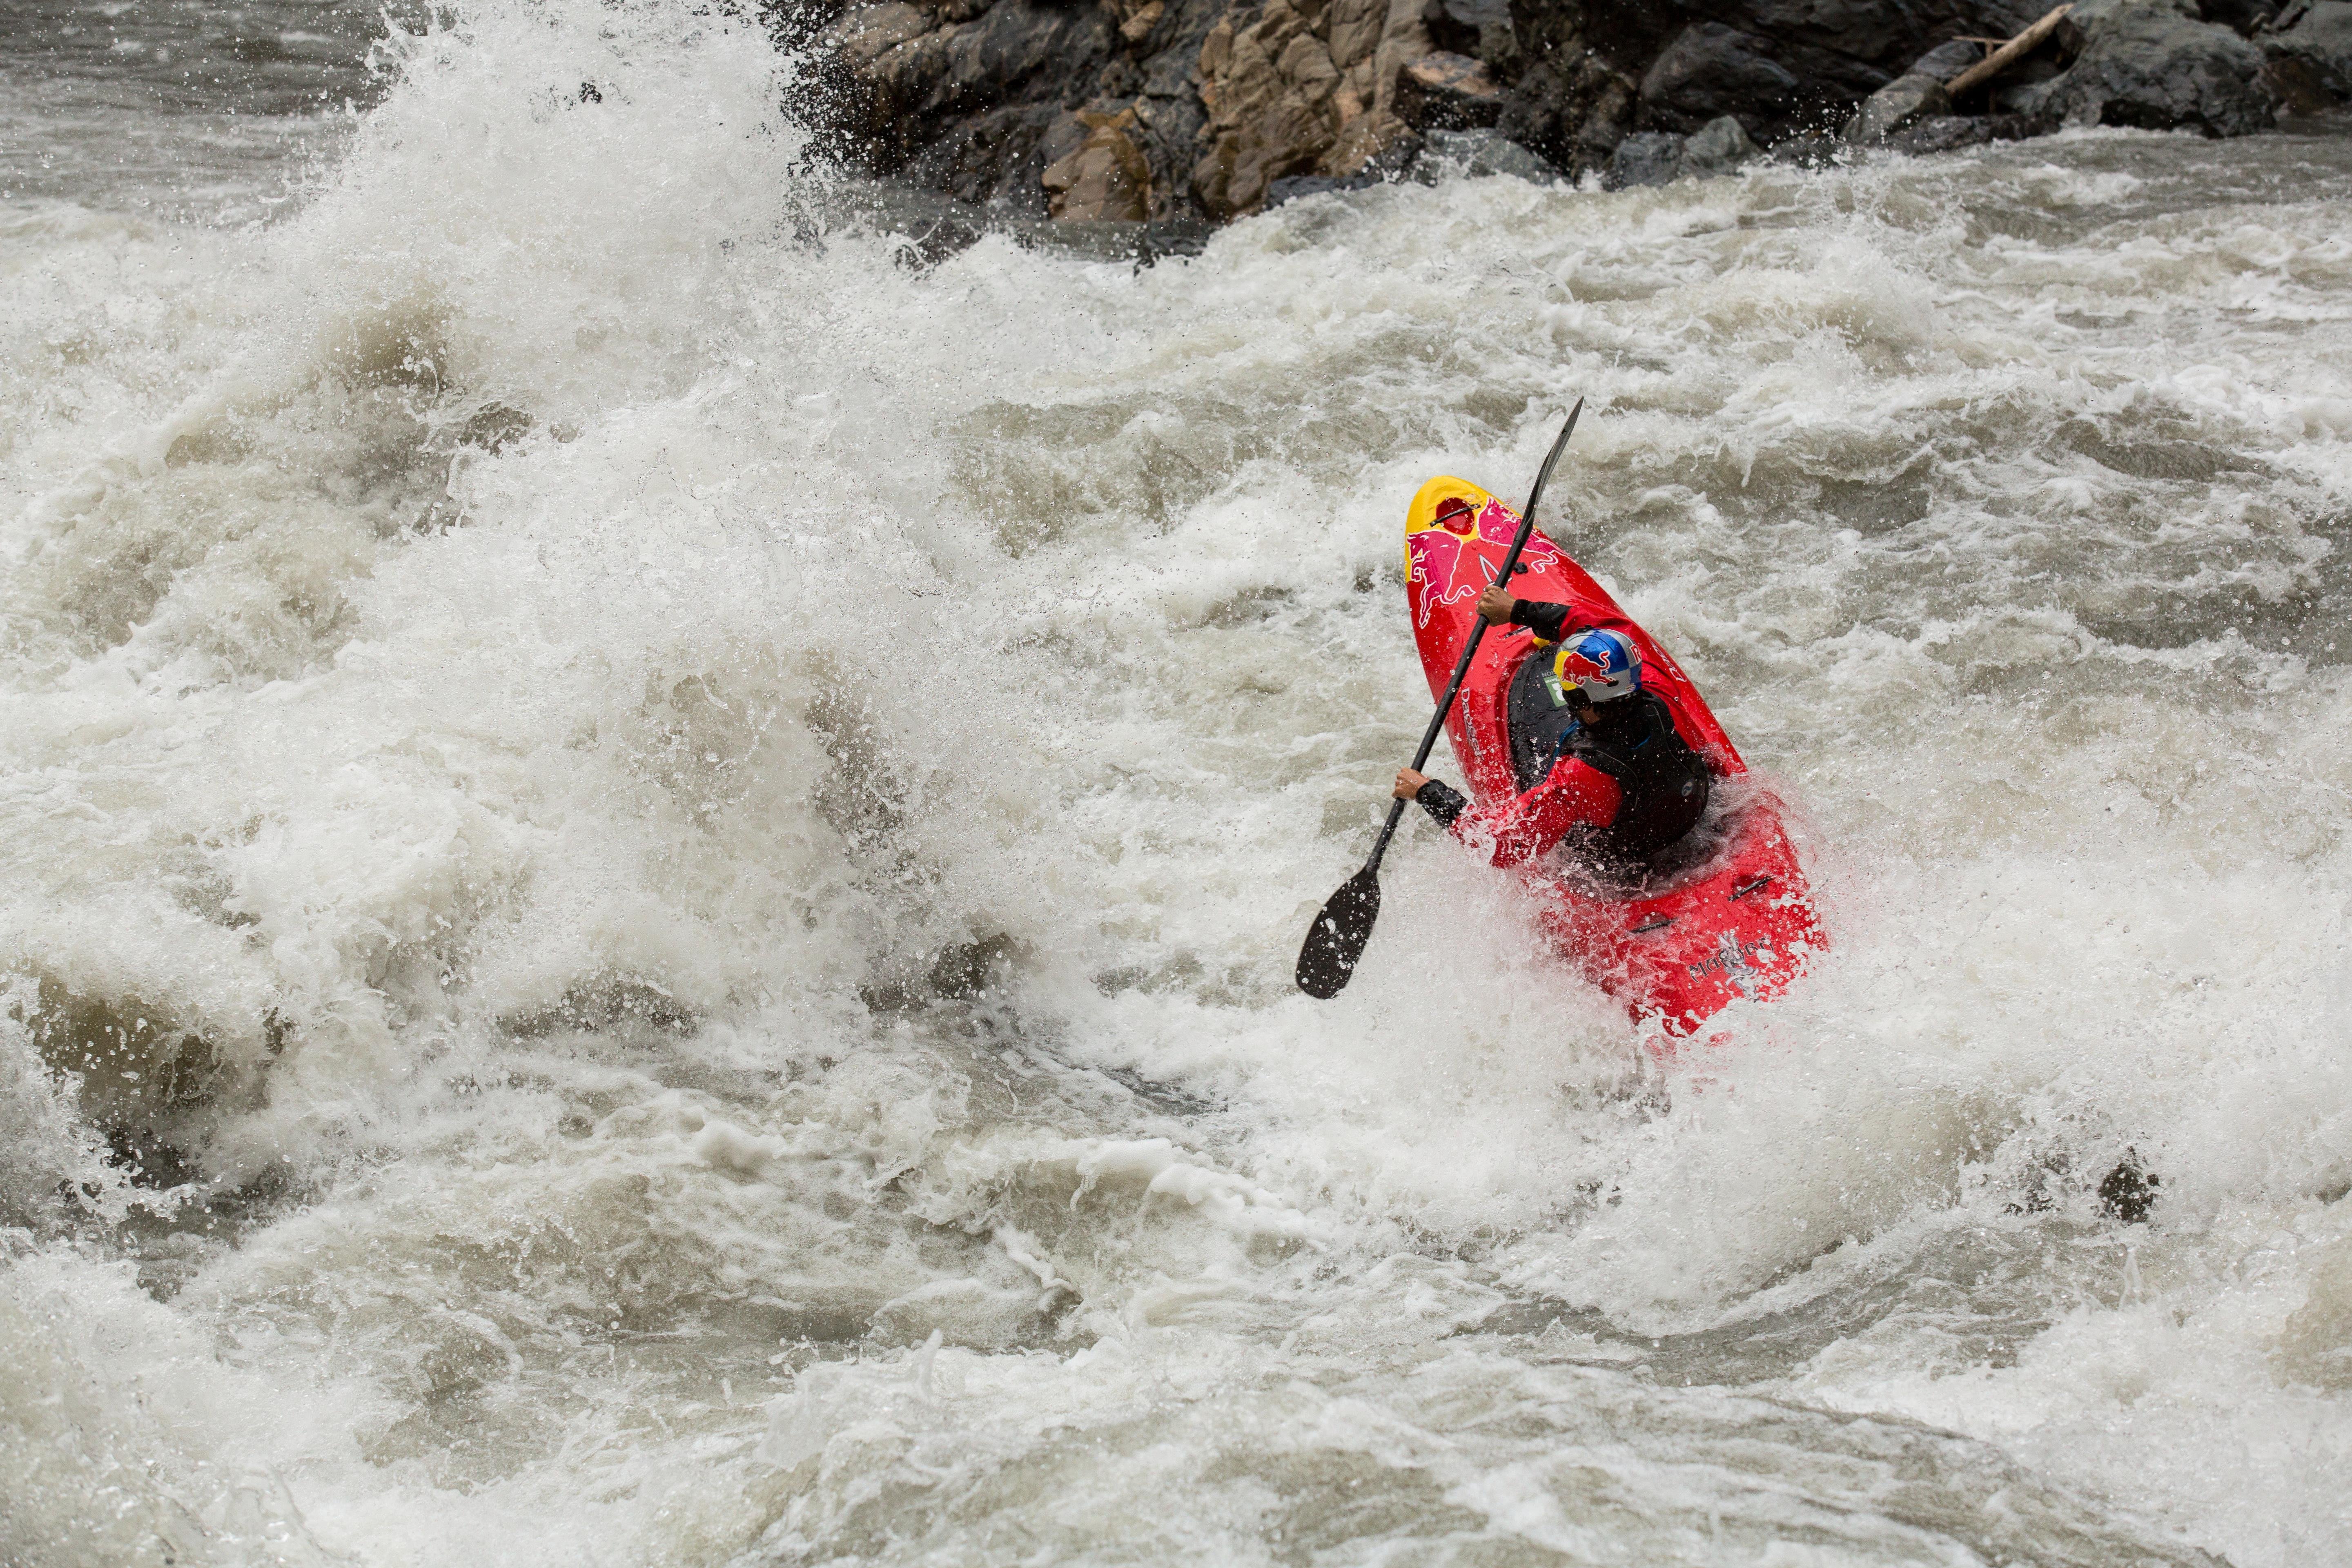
(1621, 783)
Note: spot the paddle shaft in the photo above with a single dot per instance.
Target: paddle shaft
(1477, 636)
(1445, 705)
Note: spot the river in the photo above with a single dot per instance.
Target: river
(650, 844)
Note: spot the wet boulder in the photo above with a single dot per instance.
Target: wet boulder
(2308, 55)
(1646, 158)
(1920, 93)
(1446, 91)
(1719, 147)
(1710, 70)
(1902, 101)
(1948, 62)
(1481, 154)
(1805, 151)
(2153, 64)
(1789, 67)
(1942, 133)
(1570, 106)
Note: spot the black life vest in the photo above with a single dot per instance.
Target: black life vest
(1664, 783)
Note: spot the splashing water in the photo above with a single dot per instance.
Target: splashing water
(652, 860)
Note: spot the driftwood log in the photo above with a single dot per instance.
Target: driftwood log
(2008, 55)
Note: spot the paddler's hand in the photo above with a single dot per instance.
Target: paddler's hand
(1495, 605)
(1409, 783)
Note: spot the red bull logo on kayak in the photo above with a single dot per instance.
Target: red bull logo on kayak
(1444, 564)
(1437, 577)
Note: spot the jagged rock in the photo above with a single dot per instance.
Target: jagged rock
(1719, 147)
(1105, 177)
(1136, 25)
(1646, 158)
(1478, 153)
(862, 36)
(1372, 152)
(2152, 64)
(1570, 111)
(1446, 91)
(910, 79)
(1292, 93)
(1918, 94)
(2308, 58)
(1612, 114)
(1376, 145)
(1270, 109)
(997, 158)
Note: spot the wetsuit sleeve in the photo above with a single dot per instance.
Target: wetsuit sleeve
(1574, 795)
(1442, 801)
(1544, 620)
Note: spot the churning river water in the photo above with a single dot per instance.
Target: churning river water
(650, 849)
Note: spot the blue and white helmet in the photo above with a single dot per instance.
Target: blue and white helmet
(1603, 665)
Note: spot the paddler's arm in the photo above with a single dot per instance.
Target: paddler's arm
(1573, 795)
(1435, 797)
(1544, 620)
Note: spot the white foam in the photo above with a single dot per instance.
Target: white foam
(710, 830)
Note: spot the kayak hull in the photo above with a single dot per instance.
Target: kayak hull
(1728, 913)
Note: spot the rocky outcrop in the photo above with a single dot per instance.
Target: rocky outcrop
(2156, 65)
(1121, 110)
(1646, 158)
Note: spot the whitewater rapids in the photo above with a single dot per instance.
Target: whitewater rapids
(650, 851)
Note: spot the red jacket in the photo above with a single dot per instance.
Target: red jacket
(1573, 795)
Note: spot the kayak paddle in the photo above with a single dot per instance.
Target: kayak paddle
(1336, 941)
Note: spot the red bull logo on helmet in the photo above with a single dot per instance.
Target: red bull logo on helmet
(1601, 665)
(1576, 666)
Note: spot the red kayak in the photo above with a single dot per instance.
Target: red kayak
(1727, 912)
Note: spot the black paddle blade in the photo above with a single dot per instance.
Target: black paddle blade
(1336, 941)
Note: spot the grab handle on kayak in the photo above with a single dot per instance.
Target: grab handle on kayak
(1753, 885)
